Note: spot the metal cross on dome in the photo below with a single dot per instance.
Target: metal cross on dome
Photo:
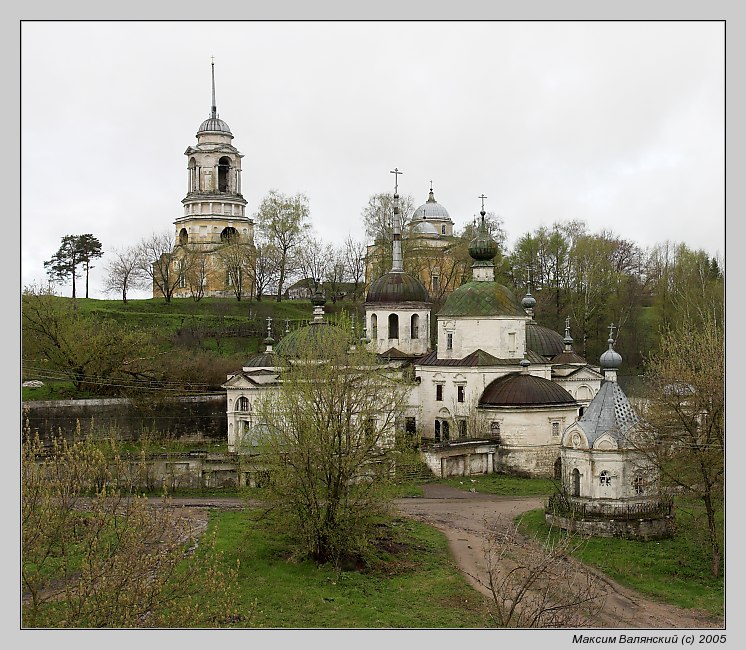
(483, 197)
(396, 173)
(611, 330)
(269, 325)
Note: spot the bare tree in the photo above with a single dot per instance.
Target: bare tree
(236, 258)
(159, 262)
(283, 221)
(353, 257)
(315, 260)
(536, 583)
(264, 267)
(195, 268)
(124, 272)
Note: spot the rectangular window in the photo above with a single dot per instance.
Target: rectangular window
(495, 428)
(438, 392)
(449, 341)
(511, 342)
(555, 428)
(462, 428)
(410, 425)
(436, 283)
(460, 391)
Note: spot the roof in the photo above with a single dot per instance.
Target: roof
(423, 228)
(477, 358)
(431, 209)
(261, 360)
(482, 299)
(397, 287)
(394, 353)
(568, 357)
(310, 339)
(608, 413)
(214, 124)
(544, 341)
(522, 389)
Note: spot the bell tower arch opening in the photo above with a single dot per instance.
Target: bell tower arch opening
(229, 233)
(183, 237)
(224, 167)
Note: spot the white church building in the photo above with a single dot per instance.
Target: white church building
(493, 394)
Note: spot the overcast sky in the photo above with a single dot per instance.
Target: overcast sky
(619, 124)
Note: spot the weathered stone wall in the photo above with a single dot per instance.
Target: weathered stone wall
(639, 529)
(202, 415)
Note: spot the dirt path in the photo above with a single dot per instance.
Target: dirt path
(462, 516)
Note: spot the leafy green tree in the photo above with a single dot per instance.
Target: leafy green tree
(378, 221)
(684, 417)
(65, 262)
(89, 249)
(283, 221)
(99, 356)
(96, 555)
(236, 256)
(327, 442)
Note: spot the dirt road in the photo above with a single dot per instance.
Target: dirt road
(463, 516)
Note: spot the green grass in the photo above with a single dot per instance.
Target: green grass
(412, 585)
(502, 484)
(675, 570)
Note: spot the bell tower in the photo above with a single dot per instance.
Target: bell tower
(214, 208)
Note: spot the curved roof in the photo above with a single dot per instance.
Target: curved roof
(568, 357)
(431, 209)
(524, 390)
(424, 228)
(482, 299)
(397, 287)
(312, 339)
(214, 124)
(261, 360)
(609, 412)
(544, 341)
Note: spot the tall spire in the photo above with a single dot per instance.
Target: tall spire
(214, 110)
(482, 250)
(397, 263)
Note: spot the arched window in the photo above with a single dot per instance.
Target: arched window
(242, 404)
(442, 430)
(183, 236)
(228, 233)
(605, 478)
(393, 326)
(415, 327)
(558, 469)
(575, 482)
(224, 165)
(373, 327)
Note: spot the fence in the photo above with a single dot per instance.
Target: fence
(560, 504)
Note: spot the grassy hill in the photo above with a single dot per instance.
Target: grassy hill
(202, 339)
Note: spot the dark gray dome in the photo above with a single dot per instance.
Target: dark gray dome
(524, 390)
(528, 302)
(543, 341)
(214, 124)
(397, 287)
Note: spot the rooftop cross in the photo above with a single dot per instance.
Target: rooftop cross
(567, 324)
(396, 173)
(269, 326)
(431, 186)
(483, 197)
(611, 330)
(214, 111)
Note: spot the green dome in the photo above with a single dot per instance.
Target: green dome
(312, 339)
(482, 299)
(482, 248)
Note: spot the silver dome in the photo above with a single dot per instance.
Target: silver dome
(214, 124)
(431, 210)
(425, 228)
(611, 359)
